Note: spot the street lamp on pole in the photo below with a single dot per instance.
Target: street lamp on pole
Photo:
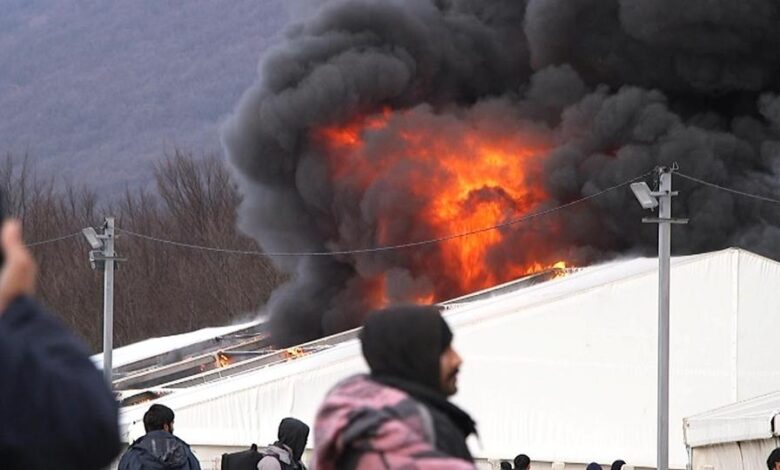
(649, 200)
(103, 257)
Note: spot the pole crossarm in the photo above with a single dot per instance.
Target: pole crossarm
(660, 220)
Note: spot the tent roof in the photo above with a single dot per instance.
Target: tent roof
(156, 346)
(757, 418)
(562, 370)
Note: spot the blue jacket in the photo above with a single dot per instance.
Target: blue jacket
(159, 450)
(55, 408)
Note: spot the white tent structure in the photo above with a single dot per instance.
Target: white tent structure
(739, 436)
(563, 371)
(154, 346)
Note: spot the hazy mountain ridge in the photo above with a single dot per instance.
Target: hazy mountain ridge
(85, 83)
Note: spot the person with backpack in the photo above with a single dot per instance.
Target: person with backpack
(159, 449)
(286, 452)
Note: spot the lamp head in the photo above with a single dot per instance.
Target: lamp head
(92, 238)
(644, 195)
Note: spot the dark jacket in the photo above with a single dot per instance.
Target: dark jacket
(55, 408)
(451, 425)
(159, 450)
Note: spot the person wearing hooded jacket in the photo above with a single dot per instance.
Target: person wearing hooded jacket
(287, 451)
(398, 416)
(159, 449)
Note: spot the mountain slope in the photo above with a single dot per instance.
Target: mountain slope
(97, 91)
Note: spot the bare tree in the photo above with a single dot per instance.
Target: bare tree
(162, 289)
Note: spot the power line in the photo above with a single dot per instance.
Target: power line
(52, 240)
(723, 188)
(388, 247)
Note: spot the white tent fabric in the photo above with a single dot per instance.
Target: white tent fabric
(742, 455)
(154, 346)
(757, 418)
(562, 371)
(737, 436)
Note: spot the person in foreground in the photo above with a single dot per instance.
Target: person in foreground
(287, 451)
(159, 449)
(399, 415)
(55, 407)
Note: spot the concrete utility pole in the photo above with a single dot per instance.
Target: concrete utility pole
(108, 299)
(650, 199)
(664, 253)
(103, 257)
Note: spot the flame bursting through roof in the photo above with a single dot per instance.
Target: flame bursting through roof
(434, 177)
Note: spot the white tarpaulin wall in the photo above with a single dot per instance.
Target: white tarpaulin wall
(735, 437)
(564, 370)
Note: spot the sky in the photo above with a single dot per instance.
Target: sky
(95, 92)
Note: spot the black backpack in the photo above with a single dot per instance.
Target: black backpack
(248, 459)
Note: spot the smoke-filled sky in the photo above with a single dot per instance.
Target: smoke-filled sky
(386, 122)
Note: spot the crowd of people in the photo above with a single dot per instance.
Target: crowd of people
(58, 412)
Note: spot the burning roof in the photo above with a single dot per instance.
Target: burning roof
(382, 123)
(251, 348)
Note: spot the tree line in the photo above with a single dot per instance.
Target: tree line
(161, 289)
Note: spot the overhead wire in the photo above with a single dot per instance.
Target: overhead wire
(52, 240)
(730, 190)
(400, 246)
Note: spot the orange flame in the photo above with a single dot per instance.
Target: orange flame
(294, 353)
(222, 359)
(462, 180)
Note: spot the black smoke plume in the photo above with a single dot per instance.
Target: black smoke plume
(615, 86)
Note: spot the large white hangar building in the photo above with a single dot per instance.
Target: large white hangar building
(561, 369)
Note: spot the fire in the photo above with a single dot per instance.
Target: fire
(294, 353)
(222, 359)
(428, 178)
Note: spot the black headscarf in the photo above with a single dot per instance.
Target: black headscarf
(294, 434)
(617, 464)
(406, 343)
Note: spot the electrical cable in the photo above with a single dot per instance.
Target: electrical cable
(52, 240)
(388, 247)
(723, 188)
